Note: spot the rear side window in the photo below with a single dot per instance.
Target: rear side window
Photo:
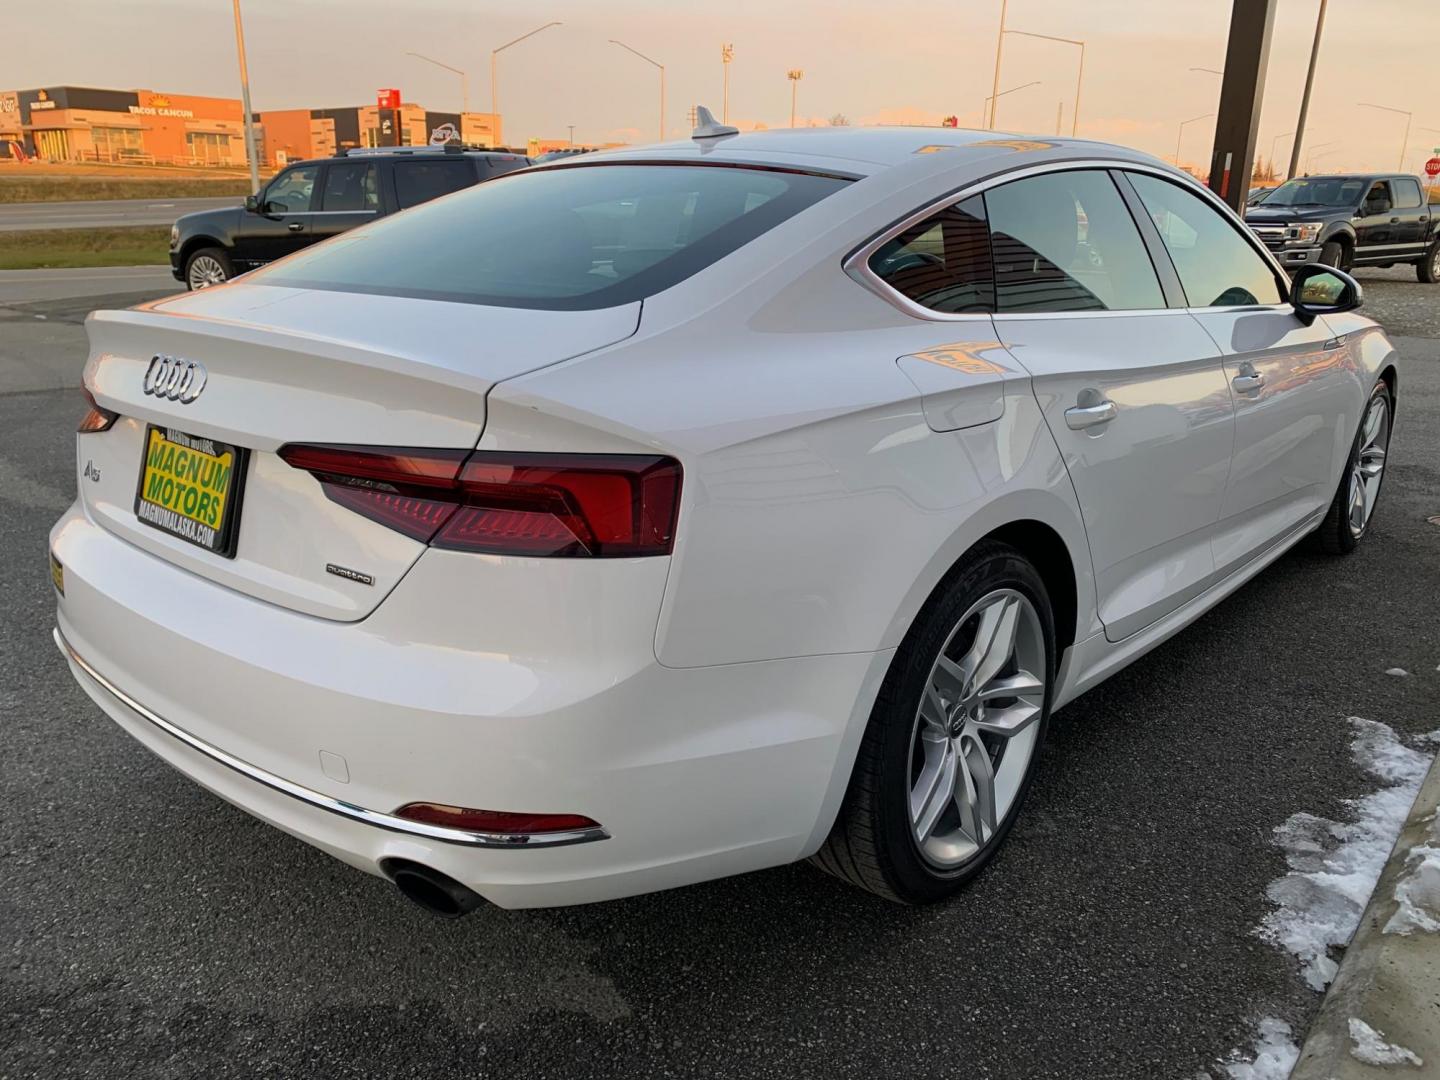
(943, 262)
(1065, 241)
(567, 238)
(1407, 193)
(350, 186)
(1217, 266)
(420, 181)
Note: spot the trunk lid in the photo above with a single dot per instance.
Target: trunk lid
(286, 365)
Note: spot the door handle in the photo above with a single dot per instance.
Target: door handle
(1394, 221)
(1080, 417)
(295, 226)
(1248, 379)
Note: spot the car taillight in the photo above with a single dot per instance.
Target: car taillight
(493, 821)
(97, 418)
(549, 505)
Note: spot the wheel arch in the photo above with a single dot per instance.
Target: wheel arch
(1339, 233)
(193, 244)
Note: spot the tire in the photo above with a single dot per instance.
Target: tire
(1428, 268)
(207, 266)
(1332, 253)
(876, 842)
(1343, 529)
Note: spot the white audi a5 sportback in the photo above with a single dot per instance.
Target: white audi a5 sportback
(671, 513)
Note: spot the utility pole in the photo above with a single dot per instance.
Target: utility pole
(727, 53)
(1247, 54)
(794, 75)
(995, 83)
(572, 135)
(1305, 98)
(250, 153)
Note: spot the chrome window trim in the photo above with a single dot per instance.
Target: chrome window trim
(856, 264)
(388, 822)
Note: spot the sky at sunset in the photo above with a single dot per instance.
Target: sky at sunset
(904, 61)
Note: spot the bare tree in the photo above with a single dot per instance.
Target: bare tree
(839, 120)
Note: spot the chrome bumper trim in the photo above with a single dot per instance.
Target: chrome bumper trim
(514, 841)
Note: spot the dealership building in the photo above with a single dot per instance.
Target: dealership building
(77, 123)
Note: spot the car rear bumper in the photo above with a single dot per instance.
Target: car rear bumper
(324, 729)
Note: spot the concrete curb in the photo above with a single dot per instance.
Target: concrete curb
(1389, 981)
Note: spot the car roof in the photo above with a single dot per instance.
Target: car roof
(858, 151)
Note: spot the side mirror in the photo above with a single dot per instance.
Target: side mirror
(252, 203)
(1318, 289)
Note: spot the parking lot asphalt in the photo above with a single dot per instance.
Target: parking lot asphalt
(153, 930)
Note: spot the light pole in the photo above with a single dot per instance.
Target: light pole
(1179, 134)
(572, 135)
(1305, 97)
(464, 79)
(1079, 75)
(727, 53)
(986, 104)
(657, 64)
(999, 49)
(1312, 155)
(1275, 141)
(250, 155)
(794, 75)
(1405, 139)
(494, 85)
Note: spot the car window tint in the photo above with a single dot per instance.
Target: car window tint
(1407, 194)
(568, 238)
(291, 191)
(1379, 190)
(1066, 242)
(1217, 266)
(943, 262)
(350, 186)
(420, 181)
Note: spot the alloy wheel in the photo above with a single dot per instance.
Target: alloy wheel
(205, 270)
(975, 729)
(1368, 467)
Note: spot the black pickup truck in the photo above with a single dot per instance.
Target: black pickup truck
(314, 200)
(1366, 219)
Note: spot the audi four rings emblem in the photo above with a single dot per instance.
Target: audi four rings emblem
(174, 378)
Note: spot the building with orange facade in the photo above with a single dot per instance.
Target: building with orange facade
(76, 123)
(79, 123)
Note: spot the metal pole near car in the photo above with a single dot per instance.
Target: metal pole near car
(1405, 139)
(1305, 98)
(655, 63)
(995, 83)
(250, 153)
(495, 82)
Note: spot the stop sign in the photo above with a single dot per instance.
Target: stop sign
(1432, 167)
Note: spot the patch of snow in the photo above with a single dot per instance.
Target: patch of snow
(1371, 1047)
(1396, 671)
(1334, 865)
(1275, 1054)
(1418, 890)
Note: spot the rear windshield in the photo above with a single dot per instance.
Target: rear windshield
(563, 238)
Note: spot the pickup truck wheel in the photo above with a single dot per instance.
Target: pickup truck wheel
(206, 267)
(1428, 268)
(1333, 254)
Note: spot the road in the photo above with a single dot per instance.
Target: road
(103, 213)
(154, 930)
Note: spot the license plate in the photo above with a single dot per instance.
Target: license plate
(190, 488)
